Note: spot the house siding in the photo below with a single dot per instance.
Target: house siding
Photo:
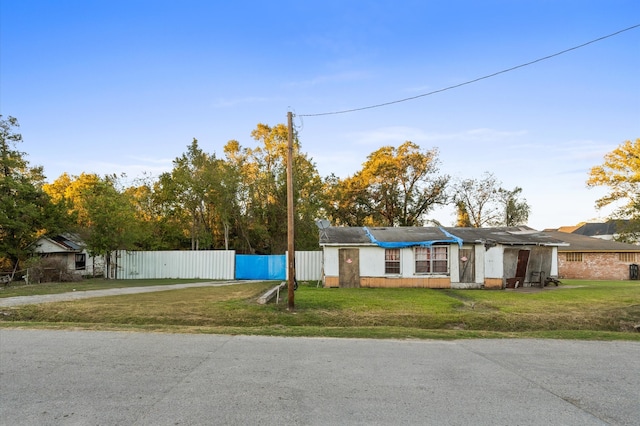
(492, 266)
(477, 258)
(594, 266)
(372, 272)
(493, 283)
(416, 282)
(394, 282)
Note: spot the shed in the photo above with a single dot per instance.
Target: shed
(437, 257)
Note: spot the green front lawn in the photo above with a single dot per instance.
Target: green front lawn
(575, 310)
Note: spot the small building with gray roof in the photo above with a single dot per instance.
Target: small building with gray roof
(437, 257)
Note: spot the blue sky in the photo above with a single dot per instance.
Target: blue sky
(124, 86)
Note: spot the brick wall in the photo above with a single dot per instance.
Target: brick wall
(594, 266)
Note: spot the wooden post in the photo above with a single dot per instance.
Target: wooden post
(290, 217)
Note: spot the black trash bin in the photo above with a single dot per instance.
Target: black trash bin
(633, 271)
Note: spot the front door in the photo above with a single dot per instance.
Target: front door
(349, 267)
(521, 268)
(467, 265)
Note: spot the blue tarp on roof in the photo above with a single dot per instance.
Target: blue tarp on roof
(402, 244)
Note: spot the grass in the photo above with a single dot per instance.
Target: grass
(576, 310)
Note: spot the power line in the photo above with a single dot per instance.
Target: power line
(474, 80)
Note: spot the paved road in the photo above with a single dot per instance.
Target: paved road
(120, 378)
(60, 297)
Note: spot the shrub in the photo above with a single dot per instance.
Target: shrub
(47, 269)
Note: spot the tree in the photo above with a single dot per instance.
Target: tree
(395, 187)
(347, 202)
(26, 212)
(105, 216)
(189, 185)
(516, 211)
(483, 202)
(620, 172)
(476, 197)
(201, 194)
(111, 223)
(462, 220)
(67, 192)
(262, 191)
(161, 226)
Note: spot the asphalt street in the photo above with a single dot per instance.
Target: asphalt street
(120, 378)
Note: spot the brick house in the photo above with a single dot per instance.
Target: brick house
(591, 258)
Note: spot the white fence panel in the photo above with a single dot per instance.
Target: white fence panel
(206, 264)
(308, 265)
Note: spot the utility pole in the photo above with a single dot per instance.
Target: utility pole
(290, 227)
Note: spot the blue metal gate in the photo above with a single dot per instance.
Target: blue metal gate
(261, 267)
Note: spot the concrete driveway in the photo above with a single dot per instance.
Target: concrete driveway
(76, 295)
(120, 378)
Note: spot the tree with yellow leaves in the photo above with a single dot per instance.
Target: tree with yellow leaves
(620, 172)
(396, 187)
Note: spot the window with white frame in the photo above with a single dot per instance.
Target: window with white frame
(392, 261)
(432, 260)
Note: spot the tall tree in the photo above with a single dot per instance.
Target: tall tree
(161, 226)
(477, 197)
(189, 186)
(105, 216)
(347, 202)
(462, 219)
(483, 202)
(395, 187)
(111, 220)
(620, 172)
(243, 173)
(67, 192)
(201, 189)
(516, 210)
(26, 212)
(262, 191)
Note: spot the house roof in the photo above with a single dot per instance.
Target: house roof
(592, 229)
(427, 235)
(584, 243)
(516, 235)
(566, 228)
(66, 242)
(58, 244)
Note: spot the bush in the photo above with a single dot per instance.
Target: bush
(47, 270)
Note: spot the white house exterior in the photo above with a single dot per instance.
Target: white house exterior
(70, 250)
(435, 257)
